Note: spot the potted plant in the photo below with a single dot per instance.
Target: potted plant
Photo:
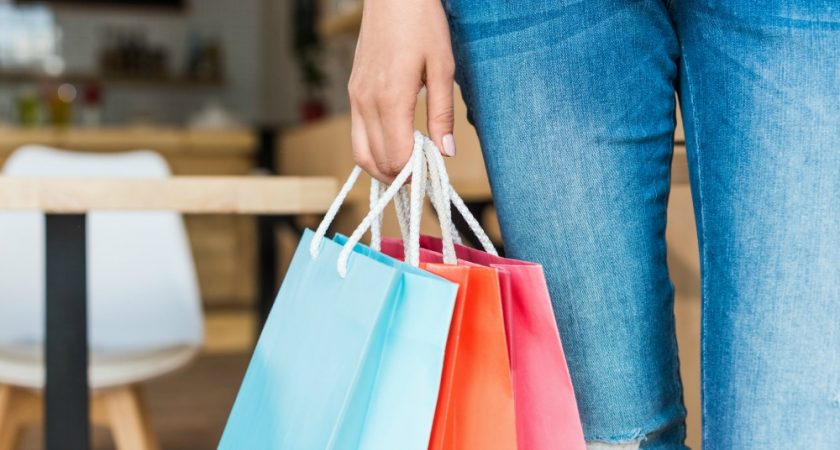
(309, 52)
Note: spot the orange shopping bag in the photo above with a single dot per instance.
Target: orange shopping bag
(475, 405)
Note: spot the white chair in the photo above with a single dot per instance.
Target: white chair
(144, 310)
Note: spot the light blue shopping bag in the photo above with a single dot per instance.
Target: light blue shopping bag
(345, 362)
(401, 406)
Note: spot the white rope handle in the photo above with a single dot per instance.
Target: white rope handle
(439, 196)
(472, 223)
(321, 231)
(436, 204)
(440, 199)
(416, 165)
(376, 227)
(437, 161)
(415, 210)
(401, 200)
(426, 164)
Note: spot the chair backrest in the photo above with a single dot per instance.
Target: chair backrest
(142, 288)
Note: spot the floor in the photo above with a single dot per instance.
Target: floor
(189, 408)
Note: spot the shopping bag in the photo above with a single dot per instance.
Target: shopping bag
(547, 416)
(475, 406)
(352, 351)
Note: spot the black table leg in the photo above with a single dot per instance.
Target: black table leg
(67, 425)
(266, 231)
(268, 266)
(269, 254)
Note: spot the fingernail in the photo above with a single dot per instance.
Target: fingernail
(449, 145)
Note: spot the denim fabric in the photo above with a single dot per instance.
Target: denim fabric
(573, 102)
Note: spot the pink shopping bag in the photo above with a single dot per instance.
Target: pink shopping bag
(546, 411)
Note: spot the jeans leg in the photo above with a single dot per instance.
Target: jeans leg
(574, 106)
(760, 91)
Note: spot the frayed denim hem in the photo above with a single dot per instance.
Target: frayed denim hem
(654, 435)
(608, 446)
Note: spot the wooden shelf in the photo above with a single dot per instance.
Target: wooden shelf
(84, 78)
(166, 141)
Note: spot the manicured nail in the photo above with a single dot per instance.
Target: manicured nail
(449, 145)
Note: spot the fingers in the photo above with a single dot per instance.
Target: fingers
(382, 114)
(440, 113)
(382, 134)
(396, 119)
(383, 122)
(361, 149)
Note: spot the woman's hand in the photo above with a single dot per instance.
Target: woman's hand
(403, 45)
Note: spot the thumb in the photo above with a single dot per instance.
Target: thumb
(439, 110)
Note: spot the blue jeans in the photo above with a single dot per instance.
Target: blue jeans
(574, 104)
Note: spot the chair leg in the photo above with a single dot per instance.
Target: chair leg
(18, 407)
(128, 419)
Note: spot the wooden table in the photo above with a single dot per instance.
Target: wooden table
(223, 246)
(66, 202)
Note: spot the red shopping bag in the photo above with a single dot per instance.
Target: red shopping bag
(546, 411)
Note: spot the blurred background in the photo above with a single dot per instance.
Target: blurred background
(231, 87)
(163, 62)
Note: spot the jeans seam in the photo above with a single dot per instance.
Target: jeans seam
(695, 136)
